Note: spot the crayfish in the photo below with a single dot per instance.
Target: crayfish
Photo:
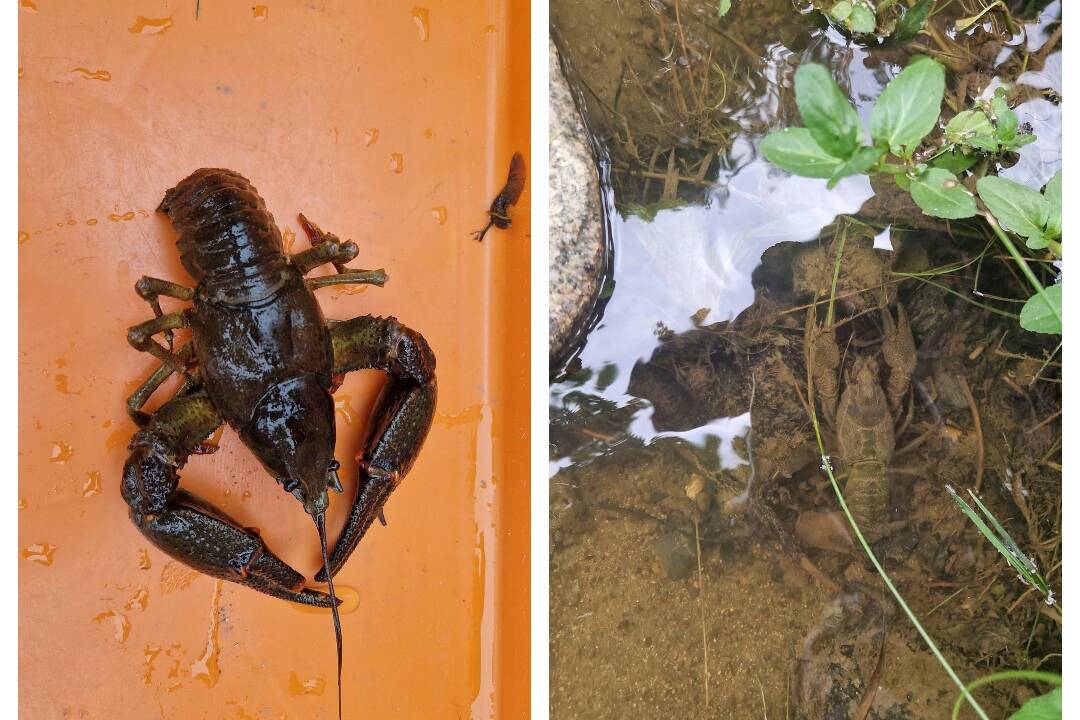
(263, 359)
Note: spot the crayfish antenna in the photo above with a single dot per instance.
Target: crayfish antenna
(320, 525)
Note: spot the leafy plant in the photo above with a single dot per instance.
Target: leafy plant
(889, 19)
(831, 146)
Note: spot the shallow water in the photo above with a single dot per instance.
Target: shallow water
(733, 636)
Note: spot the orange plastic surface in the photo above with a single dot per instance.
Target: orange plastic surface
(386, 123)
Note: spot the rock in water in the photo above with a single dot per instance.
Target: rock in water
(576, 251)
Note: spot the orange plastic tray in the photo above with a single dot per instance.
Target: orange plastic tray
(387, 123)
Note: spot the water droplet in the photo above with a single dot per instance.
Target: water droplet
(92, 221)
(61, 384)
(349, 289)
(150, 653)
(139, 600)
(40, 553)
(150, 26)
(103, 75)
(206, 667)
(260, 12)
(175, 576)
(288, 237)
(439, 213)
(490, 29)
(121, 626)
(245, 496)
(429, 133)
(28, 5)
(420, 17)
(22, 503)
(129, 215)
(314, 686)
(20, 72)
(118, 438)
(342, 406)
(61, 452)
(370, 136)
(92, 486)
(144, 559)
(397, 163)
(23, 237)
(470, 415)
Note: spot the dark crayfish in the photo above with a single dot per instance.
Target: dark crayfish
(264, 360)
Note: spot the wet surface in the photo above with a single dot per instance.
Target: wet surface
(699, 567)
(118, 103)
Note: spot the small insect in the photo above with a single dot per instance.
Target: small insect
(262, 358)
(499, 214)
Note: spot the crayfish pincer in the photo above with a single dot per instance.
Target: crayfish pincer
(262, 358)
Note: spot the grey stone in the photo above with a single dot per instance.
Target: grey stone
(576, 250)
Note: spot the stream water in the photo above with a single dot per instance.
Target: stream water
(670, 602)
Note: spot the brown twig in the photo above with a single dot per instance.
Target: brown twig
(978, 430)
(1044, 422)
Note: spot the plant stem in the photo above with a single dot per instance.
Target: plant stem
(1045, 677)
(1022, 263)
(827, 465)
(835, 276)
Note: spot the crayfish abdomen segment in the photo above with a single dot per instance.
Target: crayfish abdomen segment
(867, 495)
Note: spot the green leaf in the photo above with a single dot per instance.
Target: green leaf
(1043, 707)
(903, 181)
(723, 8)
(1015, 206)
(967, 125)
(862, 20)
(828, 114)
(863, 159)
(607, 375)
(954, 161)
(1052, 193)
(912, 22)
(1039, 317)
(795, 150)
(938, 193)
(1006, 121)
(841, 11)
(908, 107)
